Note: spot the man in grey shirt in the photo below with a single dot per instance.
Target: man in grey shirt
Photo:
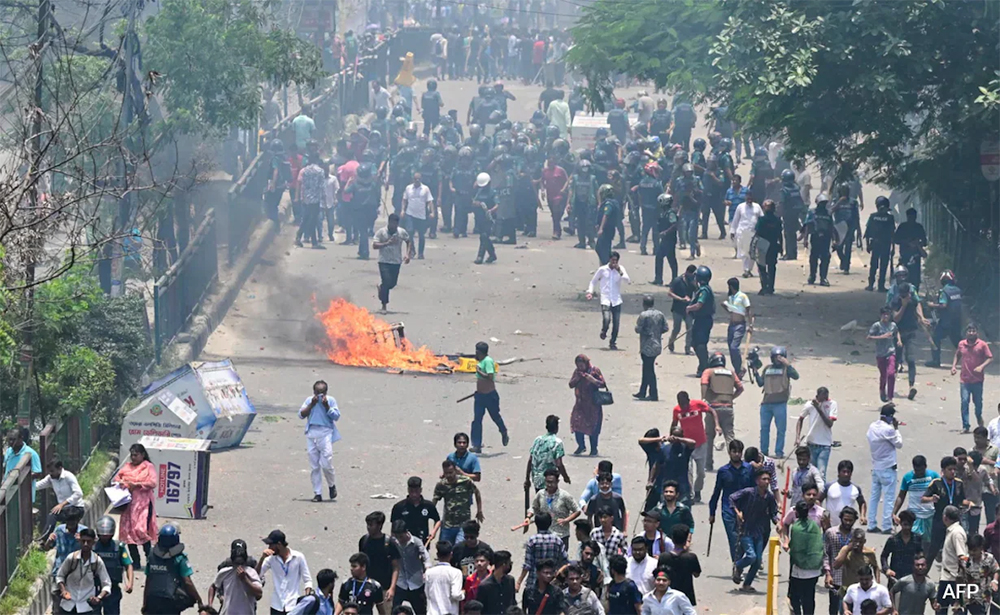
(651, 326)
(412, 564)
(389, 242)
(911, 594)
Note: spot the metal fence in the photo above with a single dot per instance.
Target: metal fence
(179, 291)
(72, 439)
(968, 250)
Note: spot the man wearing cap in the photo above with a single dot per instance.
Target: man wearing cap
(116, 562)
(237, 584)
(883, 440)
(289, 573)
(321, 414)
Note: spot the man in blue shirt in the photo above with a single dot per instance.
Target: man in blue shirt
(321, 414)
(466, 462)
(65, 538)
(732, 477)
(17, 450)
(735, 196)
(327, 581)
(591, 489)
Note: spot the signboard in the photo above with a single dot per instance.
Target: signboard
(182, 470)
(989, 158)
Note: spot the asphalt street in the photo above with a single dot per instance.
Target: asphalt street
(529, 304)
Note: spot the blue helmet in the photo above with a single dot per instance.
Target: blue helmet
(169, 537)
(601, 133)
(703, 275)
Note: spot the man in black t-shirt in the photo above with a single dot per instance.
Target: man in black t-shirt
(623, 595)
(463, 555)
(383, 553)
(415, 511)
(683, 564)
(681, 289)
(361, 589)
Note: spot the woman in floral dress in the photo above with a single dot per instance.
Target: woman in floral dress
(587, 417)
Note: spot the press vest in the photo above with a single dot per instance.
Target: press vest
(721, 387)
(777, 385)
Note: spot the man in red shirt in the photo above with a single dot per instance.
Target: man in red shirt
(689, 414)
(975, 355)
(556, 184)
(345, 175)
(537, 55)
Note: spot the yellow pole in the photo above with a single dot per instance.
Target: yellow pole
(773, 551)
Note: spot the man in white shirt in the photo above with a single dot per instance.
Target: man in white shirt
(803, 179)
(321, 414)
(867, 589)
(994, 430)
(641, 566)
(443, 584)
(665, 601)
(741, 230)
(76, 576)
(559, 116)
(821, 411)
(69, 496)
(289, 572)
(329, 205)
(883, 440)
(608, 279)
(953, 552)
(417, 202)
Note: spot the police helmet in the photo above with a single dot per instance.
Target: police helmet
(465, 152)
(947, 276)
(778, 351)
(699, 144)
(717, 360)
(482, 179)
(106, 526)
(551, 132)
(822, 199)
(687, 168)
(504, 124)
(169, 536)
(585, 154)
(381, 112)
(601, 156)
(725, 144)
(665, 200)
(447, 121)
(399, 111)
(475, 130)
(882, 202)
(400, 123)
(432, 85)
(703, 275)
(606, 191)
(560, 146)
(631, 146)
(601, 133)
(522, 138)
(484, 90)
(788, 176)
(366, 171)
(500, 150)
(450, 151)
(901, 273)
(583, 166)
(375, 136)
(843, 190)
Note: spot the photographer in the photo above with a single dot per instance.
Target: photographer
(884, 440)
(776, 382)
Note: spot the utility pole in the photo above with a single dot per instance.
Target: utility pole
(34, 199)
(129, 112)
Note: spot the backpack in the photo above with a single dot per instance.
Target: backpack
(313, 608)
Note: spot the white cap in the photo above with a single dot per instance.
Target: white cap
(482, 179)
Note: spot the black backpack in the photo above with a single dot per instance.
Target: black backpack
(312, 609)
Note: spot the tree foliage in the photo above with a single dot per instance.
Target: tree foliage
(212, 57)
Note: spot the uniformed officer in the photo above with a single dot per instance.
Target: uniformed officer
(792, 207)
(363, 205)
(666, 229)
(878, 234)
(168, 575)
(583, 202)
(949, 312)
(818, 228)
(776, 382)
(462, 185)
(647, 191)
(769, 233)
(702, 308)
(845, 212)
(719, 387)
(116, 561)
(911, 237)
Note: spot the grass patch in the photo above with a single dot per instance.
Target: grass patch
(271, 418)
(91, 475)
(31, 566)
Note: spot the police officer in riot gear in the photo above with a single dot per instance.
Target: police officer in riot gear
(846, 211)
(661, 120)
(702, 308)
(776, 382)
(819, 230)
(462, 184)
(610, 214)
(911, 238)
(363, 205)
(116, 561)
(583, 203)
(667, 223)
(792, 207)
(878, 236)
(949, 313)
(169, 589)
(768, 233)
(720, 385)
(908, 313)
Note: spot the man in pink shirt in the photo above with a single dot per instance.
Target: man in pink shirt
(556, 184)
(975, 355)
(345, 175)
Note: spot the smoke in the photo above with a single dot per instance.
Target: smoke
(295, 302)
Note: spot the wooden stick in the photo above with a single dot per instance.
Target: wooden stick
(458, 401)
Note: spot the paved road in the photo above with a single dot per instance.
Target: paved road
(532, 301)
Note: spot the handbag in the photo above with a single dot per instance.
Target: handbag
(603, 397)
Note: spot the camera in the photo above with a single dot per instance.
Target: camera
(754, 364)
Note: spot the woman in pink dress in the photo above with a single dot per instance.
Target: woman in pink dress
(138, 521)
(587, 416)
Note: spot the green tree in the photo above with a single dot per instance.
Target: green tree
(212, 57)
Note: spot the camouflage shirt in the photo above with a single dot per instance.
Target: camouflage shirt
(457, 500)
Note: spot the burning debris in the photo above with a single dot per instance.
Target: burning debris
(356, 337)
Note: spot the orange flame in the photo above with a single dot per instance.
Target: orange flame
(356, 337)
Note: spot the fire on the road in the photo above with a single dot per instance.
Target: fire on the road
(356, 337)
